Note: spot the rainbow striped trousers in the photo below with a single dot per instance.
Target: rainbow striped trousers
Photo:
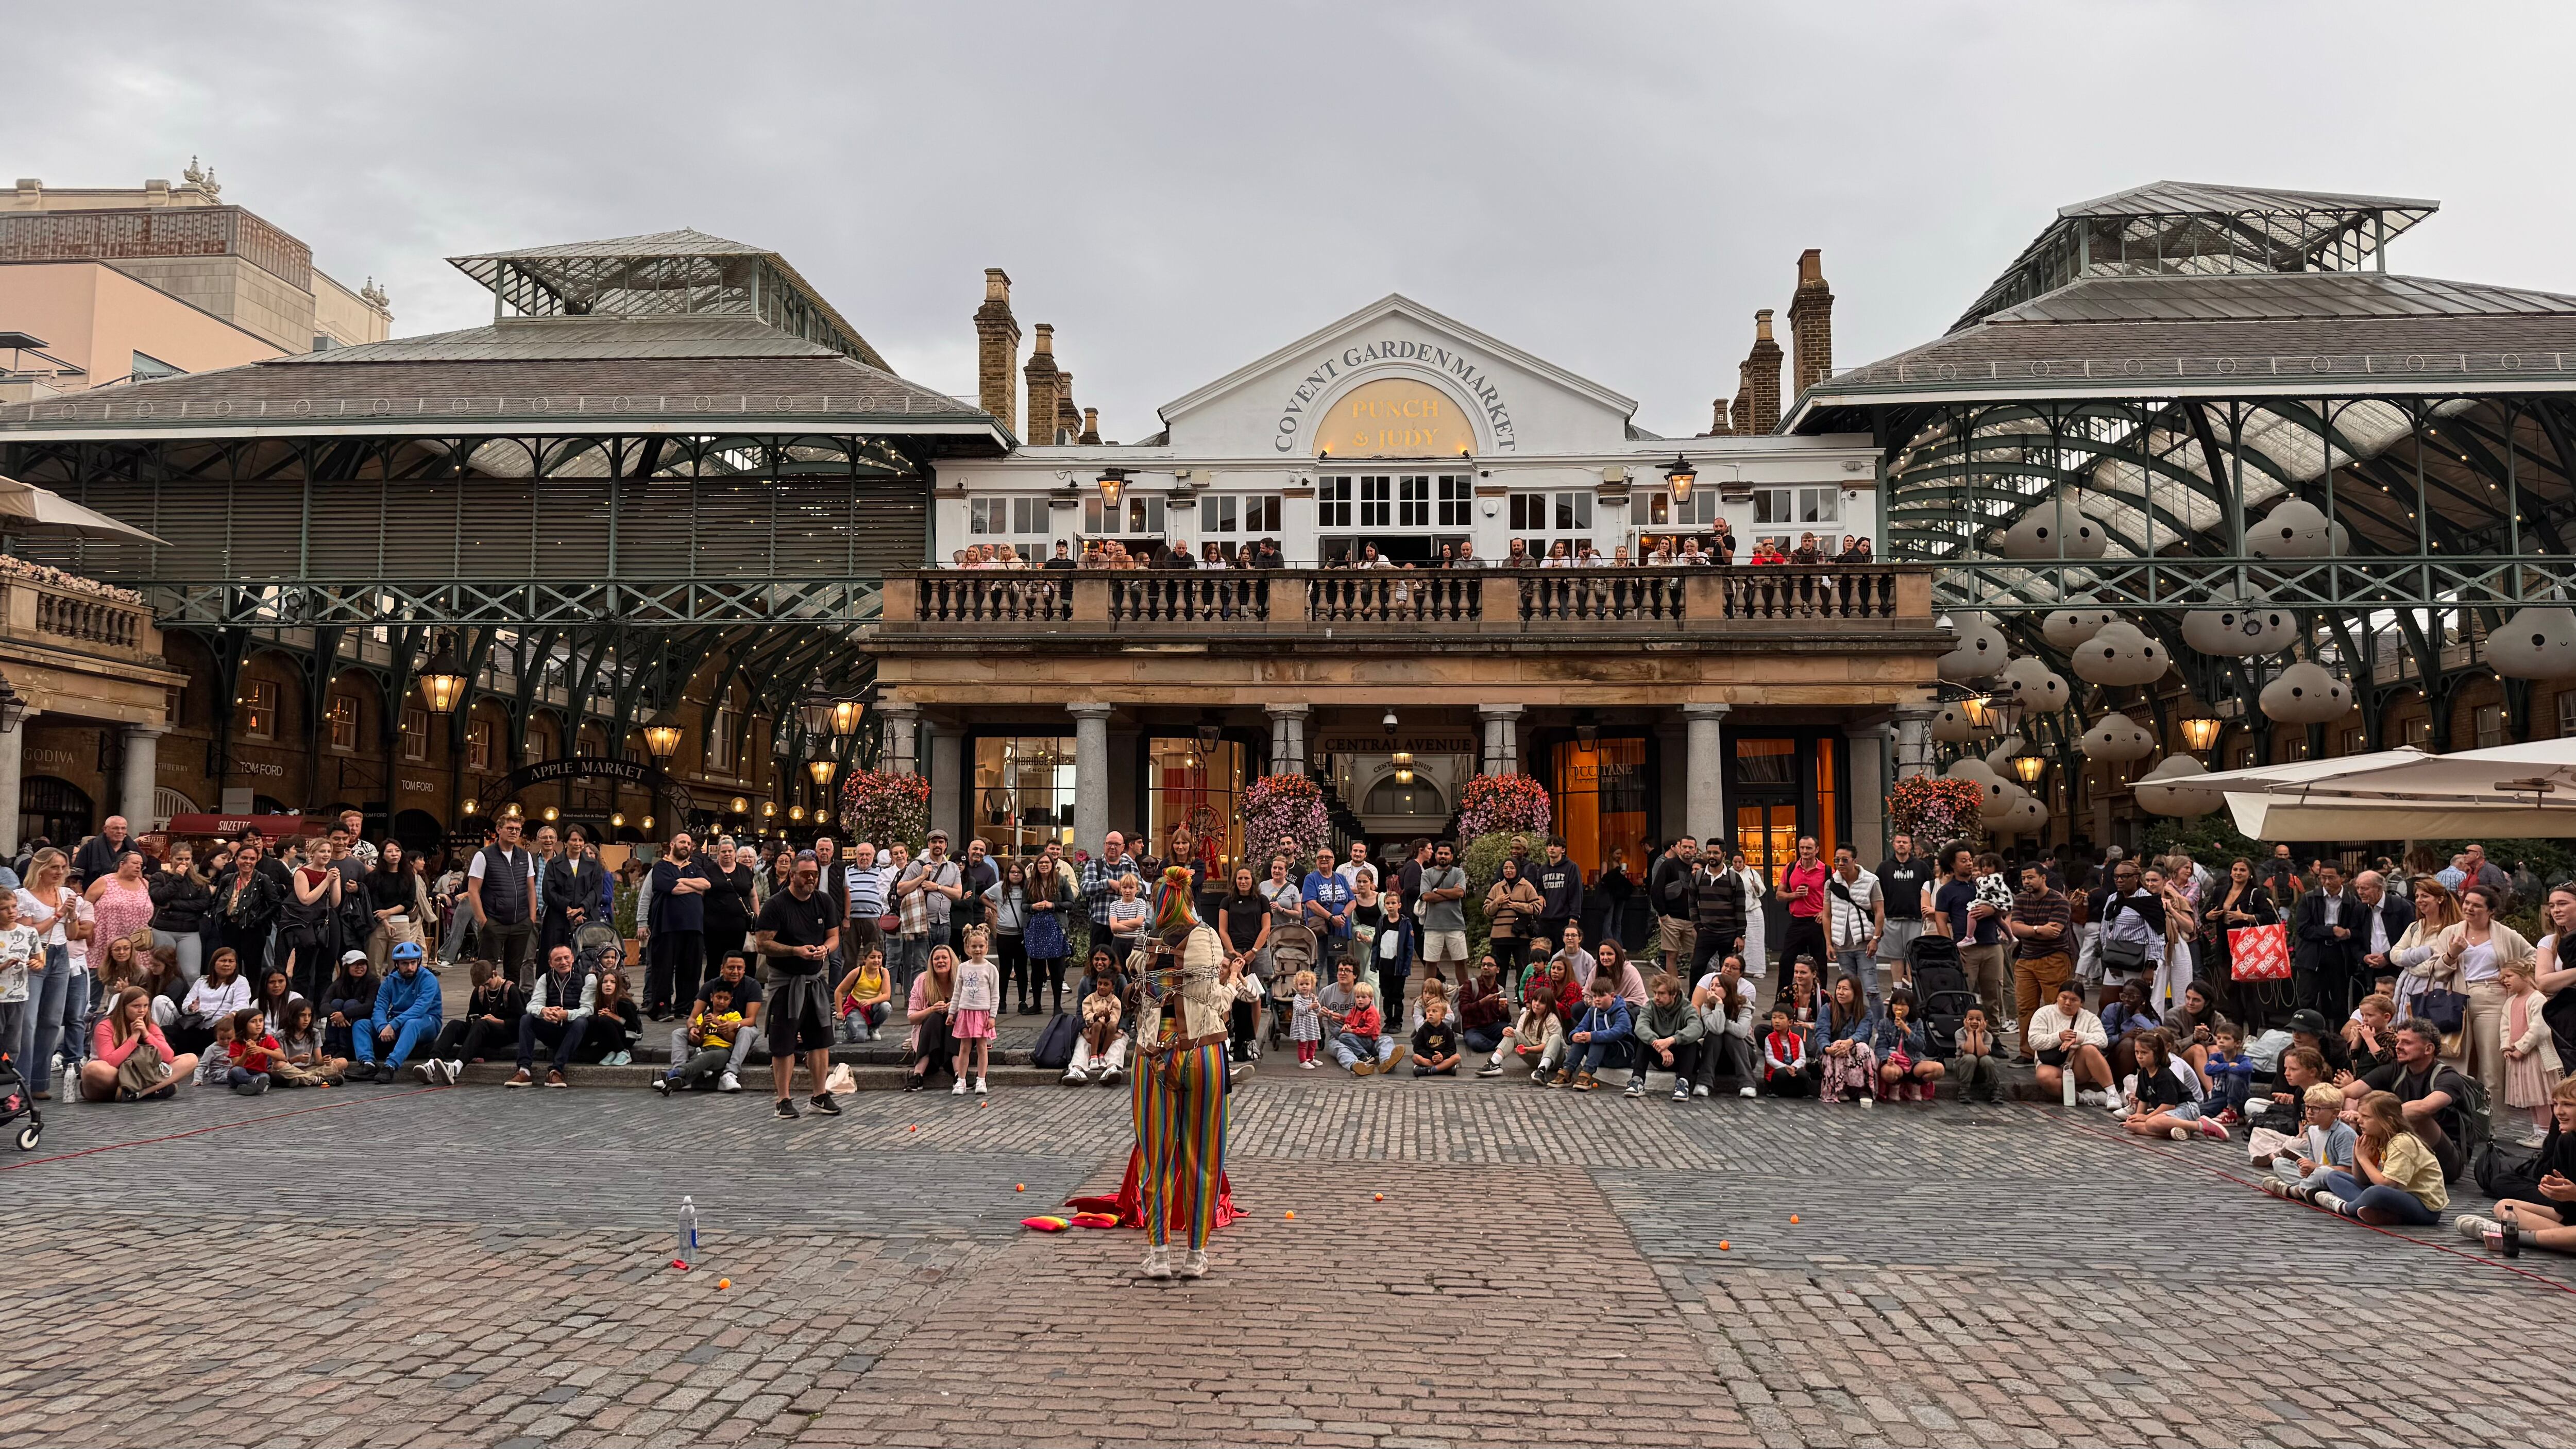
(1179, 1107)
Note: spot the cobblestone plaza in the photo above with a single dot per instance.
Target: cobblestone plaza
(1468, 1263)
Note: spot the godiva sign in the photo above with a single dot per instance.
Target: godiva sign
(1398, 416)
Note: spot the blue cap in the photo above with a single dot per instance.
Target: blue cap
(406, 951)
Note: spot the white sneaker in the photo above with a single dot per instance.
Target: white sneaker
(1158, 1262)
(1700, 1091)
(2329, 1202)
(2475, 1228)
(1310, 1065)
(2179, 1134)
(728, 1083)
(455, 1070)
(1867, 1102)
(1746, 1092)
(1073, 1078)
(2088, 1098)
(1195, 1265)
(960, 1089)
(2117, 1106)
(428, 1071)
(979, 1088)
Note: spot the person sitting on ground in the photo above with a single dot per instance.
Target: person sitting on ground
(714, 1023)
(1557, 974)
(2371, 1034)
(1724, 1001)
(1103, 1048)
(1335, 1001)
(2325, 1145)
(301, 1046)
(2070, 1039)
(929, 1010)
(1610, 959)
(1579, 963)
(1906, 1066)
(1484, 1012)
(1602, 1031)
(1364, 1045)
(218, 1057)
(216, 996)
(560, 1002)
(1435, 1043)
(2400, 1182)
(490, 1023)
(2280, 1104)
(2435, 1096)
(2164, 1096)
(1433, 989)
(273, 997)
(1804, 994)
(1536, 1036)
(351, 996)
(405, 1015)
(1786, 1071)
(1976, 1058)
(252, 1051)
(161, 979)
(1844, 1062)
(734, 973)
(2307, 1028)
(2195, 1024)
(127, 1029)
(1669, 1038)
(2229, 1073)
(2546, 1216)
(2131, 1012)
(616, 1022)
(864, 996)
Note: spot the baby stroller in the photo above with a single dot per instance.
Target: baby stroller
(16, 1102)
(1941, 993)
(1292, 949)
(596, 948)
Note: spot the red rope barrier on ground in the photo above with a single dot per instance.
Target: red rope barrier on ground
(201, 1131)
(2150, 1145)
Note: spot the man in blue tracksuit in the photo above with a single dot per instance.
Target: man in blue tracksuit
(1600, 1036)
(406, 1014)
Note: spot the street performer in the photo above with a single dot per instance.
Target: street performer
(1180, 1083)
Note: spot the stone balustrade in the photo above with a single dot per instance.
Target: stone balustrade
(38, 613)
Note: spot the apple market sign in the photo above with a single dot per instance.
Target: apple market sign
(1395, 416)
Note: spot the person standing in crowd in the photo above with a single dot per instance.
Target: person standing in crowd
(2241, 903)
(1901, 879)
(2386, 917)
(1100, 876)
(976, 877)
(572, 883)
(2482, 871)
(1720, 910)
(863, 887)
(730, 902)
(1668, 889)
(2329, 933)
(676, 949)
(1560, 889)
(183, 905)
(1444, 912)
(355, 823)
(397, 902)
(2040, 923)
(1853, 907)
(924, 894)
(2132, 925)
(51, 908)
(1960, 914)
(1325, 897)
(1006, 914)
(795, 936)
(1802, 885)
(501, 885)
(96, 858)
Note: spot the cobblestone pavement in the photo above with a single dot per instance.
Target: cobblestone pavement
(475, 1266)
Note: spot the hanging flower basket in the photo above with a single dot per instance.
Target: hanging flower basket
(885, 808)
(1936, 809)
(1494, 803)
(1284, 806)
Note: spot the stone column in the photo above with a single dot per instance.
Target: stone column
(1913, 740)
(1287, 738)
(1502, 754)
(13, 760)
(902, 738)
(944, 749)
(1704, 810)
(142, 761)
(1866, 745)
(1090, 774)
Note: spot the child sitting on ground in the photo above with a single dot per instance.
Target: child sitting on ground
(216, 1066)
(712, 1028)
(1435, 1042)
(2230, 1072)
(1536, 1036)
(1784, 1058)
(2324, 1145)
(1102, 1011)
(2164, 1097)
(863, 997)
(1364, 1045)
(1601, 1033)
(1976, 1059)
(2301, 1068)
(2370, 1035)
(2399, 1184)
(249, 1053)
(1305, 1020)
(1434, 988)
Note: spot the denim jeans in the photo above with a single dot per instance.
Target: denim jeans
(75, 1037)
(910, 957)
(408, 1033)
(41, 1028)
(681, 1052)
(1349, 1049)
(2397, 1202)
(460, 924)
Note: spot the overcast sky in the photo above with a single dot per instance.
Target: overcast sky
(1180, 189)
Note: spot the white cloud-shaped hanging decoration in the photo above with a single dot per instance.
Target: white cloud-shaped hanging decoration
(2000, 758)
(2535, 643)
(2033, 685)
(2295, 529)
(2052, 527)
(2023, 815)
(2165, 790)
(2066, 628)
(2305, 693)
(2117, 738)
(2243, 630)
(1950, 724)
(1980, 651)
(2120, 653)
(1984, 777)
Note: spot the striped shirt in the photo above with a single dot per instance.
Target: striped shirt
(2041, 908)
(867, 887)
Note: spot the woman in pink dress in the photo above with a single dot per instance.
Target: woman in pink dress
(123, 902)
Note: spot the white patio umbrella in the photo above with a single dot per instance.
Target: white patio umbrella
(2520, 791)
(26, 508)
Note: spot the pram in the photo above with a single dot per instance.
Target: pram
(16, 1102)
(1292, 949)
(596, 948)
(1941, 993)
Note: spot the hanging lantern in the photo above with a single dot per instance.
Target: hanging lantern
(796, 813)
(618, 820)
(648, 822)
(2201, 731)
(738, 804)
(814, 708)
(2030, 768)
(1111, 481)
(550, 813)
(845, 716)
(662, 740)
(821, 770)
(1681, 475)
(1403, 767)
(442, 682)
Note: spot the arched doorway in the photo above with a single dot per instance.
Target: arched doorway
(419, 832)
(55, 810)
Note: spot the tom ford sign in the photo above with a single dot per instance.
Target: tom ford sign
(1395, 416)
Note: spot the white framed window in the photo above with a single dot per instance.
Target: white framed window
(1797, 505)
(2295, 747)
(2566, 713)
(415, 735)
(721, 745)
(1006, 517)
(343, 717)
(2419, 732)
(482, 744)
(259, 710)
(2354, 741)
(1255, 513)
(1135, 516)
(1333, 502)
(1658, 510)
(1551, 512)
(2490, 725)
(1377, 491)
(1413, 500)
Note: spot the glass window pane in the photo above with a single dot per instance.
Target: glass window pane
(1199, 789)
(1600, 798)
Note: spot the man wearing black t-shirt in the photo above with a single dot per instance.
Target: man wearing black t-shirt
(795, 935)
(1901, 878)
(2435, 1096)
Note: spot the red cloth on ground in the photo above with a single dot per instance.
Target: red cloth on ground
(1129, 1204)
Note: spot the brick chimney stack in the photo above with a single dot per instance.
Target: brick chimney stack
(1044, 383)
(1091, 425)
(1811, 324)
(997, 350)
(1758, 403)
(1068, 418)
(1722, 423)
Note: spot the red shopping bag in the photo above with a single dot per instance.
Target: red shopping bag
(2259, 953)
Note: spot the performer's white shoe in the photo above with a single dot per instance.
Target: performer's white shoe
(1195, 1265)
(1158, 1262)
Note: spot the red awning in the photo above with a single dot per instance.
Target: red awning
(236, 824)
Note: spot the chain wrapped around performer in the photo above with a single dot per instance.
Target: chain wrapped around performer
(1180, 1085)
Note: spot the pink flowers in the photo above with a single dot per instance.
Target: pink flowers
(1936, 809)
(1283, 806)
(885, 808)
(1493, 803)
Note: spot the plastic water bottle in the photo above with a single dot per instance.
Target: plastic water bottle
(2066, 1083)
(688, 1230)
